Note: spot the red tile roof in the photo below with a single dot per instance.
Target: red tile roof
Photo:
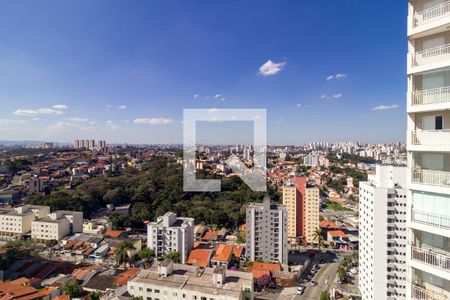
(223, 253)
(199, 257)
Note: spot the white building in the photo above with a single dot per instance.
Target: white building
(428, 145)
(57, 225)
(267, 232)
(382, 232)
(171, 234)
(17, 221)
(165, 280)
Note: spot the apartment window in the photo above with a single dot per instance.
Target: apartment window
(149, 290)
(157, 291)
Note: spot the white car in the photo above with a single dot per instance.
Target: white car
(300, 290)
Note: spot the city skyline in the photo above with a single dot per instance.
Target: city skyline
(119, 72)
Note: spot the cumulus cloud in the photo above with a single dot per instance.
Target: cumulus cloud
(122, 107)
(196, 96)
(25, 112)
(271, 68)
(337, 76)
(212, 110)
(153, 121)
(49, 111)
(60, 106)
(384, 107)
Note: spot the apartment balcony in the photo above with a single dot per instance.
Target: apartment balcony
(433, 140)
(431, 14)
(431, 258)
(419, 293)
(430, 18)
(441, 221)
(431, 96)
(429, 59)
(431, 177)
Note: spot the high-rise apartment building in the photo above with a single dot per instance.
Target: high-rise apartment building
(266, 237)
(171, 234)
(302, 202)
(428, 108)
(383, 234)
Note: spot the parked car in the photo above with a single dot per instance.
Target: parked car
(313, 283)
(300, 290)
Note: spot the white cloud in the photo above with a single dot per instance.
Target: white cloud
(49, 111)
(335, 96)
(385, 107)
(271, 68)
(196, 96)
(337, 76)
(78, 120)
(212, 110)
(110, 124)
(122, 107)
(218, 96)
(25, 112)
(60, 106)
(153, 121)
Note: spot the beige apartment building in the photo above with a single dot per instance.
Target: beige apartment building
(302, 202)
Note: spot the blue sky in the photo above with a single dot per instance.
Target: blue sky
(125, 70)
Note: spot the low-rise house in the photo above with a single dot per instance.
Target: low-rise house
(339, 239)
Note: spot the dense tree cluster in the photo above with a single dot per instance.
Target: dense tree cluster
(153, 192)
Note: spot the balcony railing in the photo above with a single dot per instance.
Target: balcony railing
(431, 137)
(431, 177)
(431, 258)
(431, 219)
(431, 96)
(419, 293)
(432, 13)
(431, 55)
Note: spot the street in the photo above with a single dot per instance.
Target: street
(324, 277)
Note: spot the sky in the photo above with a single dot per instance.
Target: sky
(123, 71)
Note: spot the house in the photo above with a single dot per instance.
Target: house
(339, 238)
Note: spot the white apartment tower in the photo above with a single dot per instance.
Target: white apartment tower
(383, 234)
(171, 234)
(428, 108)
(267, 232)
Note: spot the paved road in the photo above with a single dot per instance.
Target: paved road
(324, 278)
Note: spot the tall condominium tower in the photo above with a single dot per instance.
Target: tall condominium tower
(382, 230)
(267, 232)
(428, 108)
(302, 203)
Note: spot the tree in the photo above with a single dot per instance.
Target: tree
(342, 273)
(174, 256)
(122, 251)
(324, 295)
(94, 295)
(263, 281)
(72, 289)
(317, 236)
(146, 254)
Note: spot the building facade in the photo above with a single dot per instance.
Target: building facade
(428, 145)
(17, 221)
(267, 233)
(383, 234)
(171, 234)
(57, 225)
(166, 280)
(302, 202)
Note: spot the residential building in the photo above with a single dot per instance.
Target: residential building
(171, 234)
(17, 221)
(383, 234)
(428, 145)
(267, 235)
(302, 202)
(166, 280)
(57, 225)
